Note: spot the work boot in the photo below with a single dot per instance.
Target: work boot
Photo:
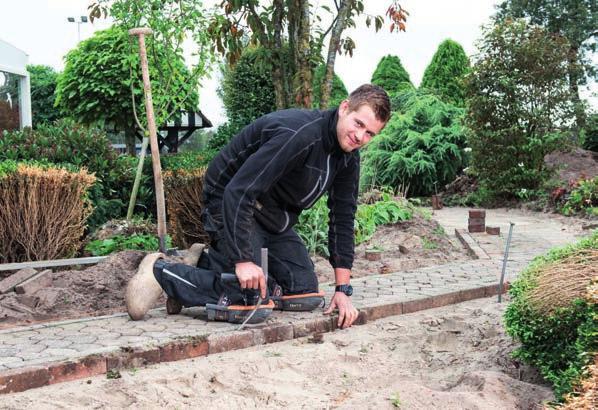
(173, 306)
(226, 311)
(304, 302)
(143, 289)
(193, 254)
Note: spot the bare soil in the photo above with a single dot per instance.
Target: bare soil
(455, 357)
(573, 165)
(99, 289)
(412, 244)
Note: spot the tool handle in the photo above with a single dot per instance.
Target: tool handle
(229, 278)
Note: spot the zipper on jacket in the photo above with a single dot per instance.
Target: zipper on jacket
(323, 185)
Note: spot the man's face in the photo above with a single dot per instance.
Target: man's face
(355, 129)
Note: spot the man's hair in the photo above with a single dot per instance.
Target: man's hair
(373, 96)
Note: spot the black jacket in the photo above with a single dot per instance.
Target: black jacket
(276, 167)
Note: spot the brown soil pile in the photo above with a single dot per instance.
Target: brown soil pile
(573, 165)
(97, 290)
(412, 244)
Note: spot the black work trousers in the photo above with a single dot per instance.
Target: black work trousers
(289, 266)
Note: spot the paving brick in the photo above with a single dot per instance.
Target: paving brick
(418, 304)
(8, 284)
(379, 312)
(477, 213)
(78, 369)
(273, 333)
(493, 230)
(131, 357)
(17, 380)
(218, 343)
(316, 325)
(184, 349)
(42, 280)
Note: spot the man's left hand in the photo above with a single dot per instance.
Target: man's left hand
(347, 314)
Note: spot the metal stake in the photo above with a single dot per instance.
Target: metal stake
(151, 124)
(259, 300)
(504, 263)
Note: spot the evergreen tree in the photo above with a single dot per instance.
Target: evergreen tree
(444, 75)
(391, 75)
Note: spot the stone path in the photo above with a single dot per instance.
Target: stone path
(44, 354)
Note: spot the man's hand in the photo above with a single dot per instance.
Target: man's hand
(347, 314)
(251, 276)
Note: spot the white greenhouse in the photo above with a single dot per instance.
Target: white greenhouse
(15, 94)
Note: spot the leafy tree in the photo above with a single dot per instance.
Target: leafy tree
(43, 85)
(519, 105)
(338, 92)
(574, 19)
(102, 74)
(420, 149)
(247, 89)
(265, 24)
(445, 73)
(391, 75)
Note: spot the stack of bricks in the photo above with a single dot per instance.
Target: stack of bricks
(477, 220)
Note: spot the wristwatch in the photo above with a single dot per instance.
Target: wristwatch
(346, 289)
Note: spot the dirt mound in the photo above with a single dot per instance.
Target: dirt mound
(97, 290)
(573, 165)
(412, 244)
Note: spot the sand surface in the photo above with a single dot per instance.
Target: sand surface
(455, 357)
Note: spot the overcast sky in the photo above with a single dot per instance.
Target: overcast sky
(40, 28)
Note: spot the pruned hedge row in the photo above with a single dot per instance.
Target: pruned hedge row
(43, 211)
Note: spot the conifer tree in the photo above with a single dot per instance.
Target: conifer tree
(391, 75)
(444, 75)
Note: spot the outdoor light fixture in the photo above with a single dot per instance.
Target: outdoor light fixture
(82, 19)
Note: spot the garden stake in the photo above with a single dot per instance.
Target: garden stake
(504, 262)
(140, 32)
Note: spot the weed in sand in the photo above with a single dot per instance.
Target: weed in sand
(395, 400)
(429, 244)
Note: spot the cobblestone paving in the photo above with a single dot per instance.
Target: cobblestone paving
(59, 341)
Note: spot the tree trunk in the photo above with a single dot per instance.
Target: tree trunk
(574, 80)
(303, 94)
(335, 38)
(278, 73)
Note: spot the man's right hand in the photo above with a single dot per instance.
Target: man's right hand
(251, 276)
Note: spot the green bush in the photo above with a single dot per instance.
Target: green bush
(117, 243)
(247, 89)
(66, 142)
(420, 150)
(43, 85)
(583, 198)
(337, 94)
(558, 343)
(445, 73)
(312, 226)
(518, 107)
(391, 75)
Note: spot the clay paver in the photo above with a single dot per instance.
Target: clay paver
(27, 346)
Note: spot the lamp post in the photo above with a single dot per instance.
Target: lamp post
(82, 20)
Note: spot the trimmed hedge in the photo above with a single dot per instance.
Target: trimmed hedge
(43, 210)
